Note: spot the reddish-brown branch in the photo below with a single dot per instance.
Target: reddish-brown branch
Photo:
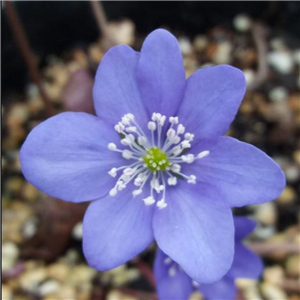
(147, 272)
(259, 34)
(23, 44)
(100, 17)
(269, 248)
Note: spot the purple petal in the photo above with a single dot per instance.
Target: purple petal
(116, 229)
(191, 229)
(115, 91)
(171, 286)
(243, 227)
(242, 173)
(66, 157)
(160, 74)
(246, 264)
(211, 100)
(224, 289)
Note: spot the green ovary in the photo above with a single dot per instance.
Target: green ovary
(156, 160)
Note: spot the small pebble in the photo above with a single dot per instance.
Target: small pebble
(282, 62)
(30, 280)
(223, 53)
(7, 293)
(122, 32)
(250, 76)
(10, 254)
(292, 173)
(288, 195)
(242, 23)
(200, 42)
(58, 271)
(278, 94)
(77, 231)
(48, 287)
(293, 265)
(271, 292)
(185, 46)
(266, 213)
(274, 275)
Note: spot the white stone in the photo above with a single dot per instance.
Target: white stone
(278, 94)
(281, 61)
(200, 42)
(48, 287)
(185, 45)
(77, 231)
(10, 254)
(249, 75)
(223, 54)
(242, 23)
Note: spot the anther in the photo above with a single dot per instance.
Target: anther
(192, 179)
(112, 146)
(149, 200)
(172, 181)
(203, 154)
(151, 126)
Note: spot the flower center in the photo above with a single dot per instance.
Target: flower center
(156, 160)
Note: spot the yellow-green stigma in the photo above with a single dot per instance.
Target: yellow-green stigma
(156, 160)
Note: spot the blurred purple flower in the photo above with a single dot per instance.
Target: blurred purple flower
(175, 182)
(174, 283)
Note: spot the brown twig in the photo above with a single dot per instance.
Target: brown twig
(23, 44)
(259, 34)
(147, 272)
(266, 249)
(100, 17)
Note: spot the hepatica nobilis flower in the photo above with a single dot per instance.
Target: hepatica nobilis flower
(154, 161)
(174, 283)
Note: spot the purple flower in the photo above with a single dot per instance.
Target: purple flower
(154, 161)
(174, 283)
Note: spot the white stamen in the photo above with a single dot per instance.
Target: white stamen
(113, 192)
(149, 200)
(142, 152)
(172, 181)
(112, 146)
(180, 129)
(192, 179)
(203, 154)
(189, 137)
(151, 126)
(175, 168)
(113, 172)
(131, 129)
(172, 271)
(173, 120)
(136, 192)
(127, 154)
(167, 260)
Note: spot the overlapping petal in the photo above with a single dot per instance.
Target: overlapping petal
(160, 73)
(224, 289)
(242, 173)
(192, 228)
(116, 229)
(243, 227)
(116, 91)
(246, 264)
(66, 157)
(211, 100)
(170, 286)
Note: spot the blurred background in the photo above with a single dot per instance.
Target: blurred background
(50, 52)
